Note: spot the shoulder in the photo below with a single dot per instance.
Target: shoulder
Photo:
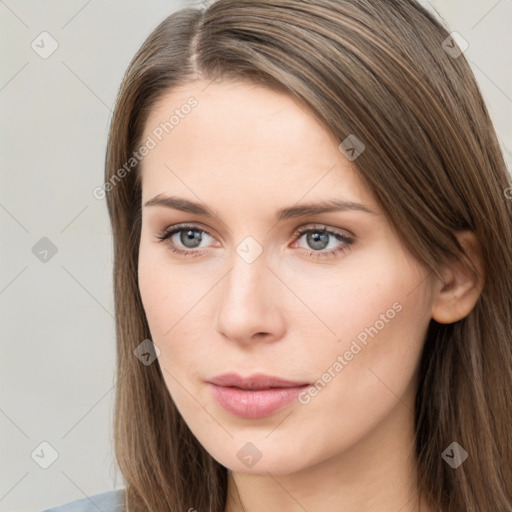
(110, 501)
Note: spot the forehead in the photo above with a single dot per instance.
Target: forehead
(246, 133)
(246, 113)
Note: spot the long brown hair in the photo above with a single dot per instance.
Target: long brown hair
(381, 70)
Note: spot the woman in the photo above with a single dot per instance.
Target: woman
(312, 223)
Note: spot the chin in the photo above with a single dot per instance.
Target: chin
(263, 456)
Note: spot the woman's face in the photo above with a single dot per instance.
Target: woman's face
(344, 310)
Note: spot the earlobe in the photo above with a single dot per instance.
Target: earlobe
(456, 297)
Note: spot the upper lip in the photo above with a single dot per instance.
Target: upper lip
(256, 381)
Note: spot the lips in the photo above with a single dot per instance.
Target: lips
(256, 396)
(254, 382)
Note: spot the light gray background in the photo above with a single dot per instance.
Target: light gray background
(58, 346)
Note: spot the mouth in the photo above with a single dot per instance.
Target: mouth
(254, 397)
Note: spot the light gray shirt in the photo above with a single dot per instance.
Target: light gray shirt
(110, 501)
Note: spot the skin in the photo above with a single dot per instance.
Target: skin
(245, 152)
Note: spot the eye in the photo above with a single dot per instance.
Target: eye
(189, 235)
(322, 242)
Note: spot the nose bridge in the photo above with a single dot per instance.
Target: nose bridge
(247, 305)
(248, 262)
(247, 282)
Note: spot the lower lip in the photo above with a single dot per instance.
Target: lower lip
(254, 404)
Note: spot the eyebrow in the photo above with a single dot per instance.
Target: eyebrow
(333, 205)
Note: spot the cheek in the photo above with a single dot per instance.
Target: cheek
(174, 308)
(167, 295)
(166, 305)
(377, 313)
(380, 317)
(155, 295)
(375, 287)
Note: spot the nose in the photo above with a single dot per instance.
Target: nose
(251, 308)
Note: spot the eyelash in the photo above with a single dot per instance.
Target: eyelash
(348, 241)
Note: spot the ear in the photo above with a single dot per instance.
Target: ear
(454, 299)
